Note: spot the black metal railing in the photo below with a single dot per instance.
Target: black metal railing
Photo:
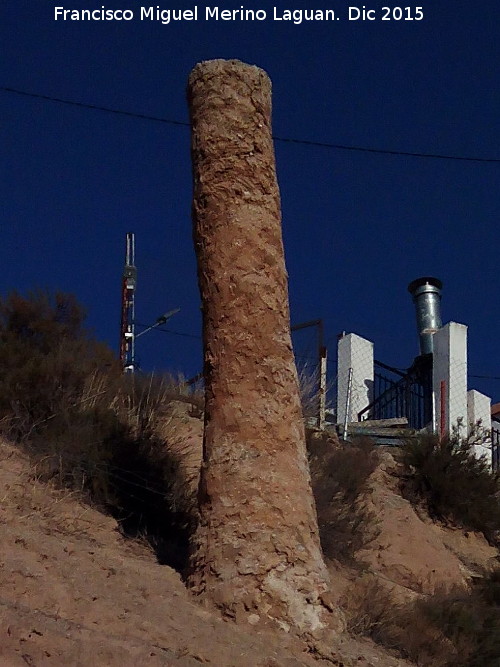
(402, 395)
(495, 449)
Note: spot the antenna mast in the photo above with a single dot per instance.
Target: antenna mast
(127, 330)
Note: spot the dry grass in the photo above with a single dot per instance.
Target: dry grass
(368, 606)
(340, 474)
(459, 627)
(88, 428)
(434, 470)
(309, 391)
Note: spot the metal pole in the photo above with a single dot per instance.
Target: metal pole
(347, 404)
(131, 264)
(322, 388)
(127, 329)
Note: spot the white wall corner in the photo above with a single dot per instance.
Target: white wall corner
(449, 377)
(479, 422)
(356, 353)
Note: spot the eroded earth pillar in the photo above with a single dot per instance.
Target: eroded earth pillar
(256, 552)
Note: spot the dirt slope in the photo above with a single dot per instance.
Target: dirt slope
(413, 554)
(74, 592)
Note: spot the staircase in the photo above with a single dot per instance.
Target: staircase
(388, 432)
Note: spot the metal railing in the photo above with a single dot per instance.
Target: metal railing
(402, 395)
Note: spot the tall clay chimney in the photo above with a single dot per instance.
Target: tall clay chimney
(426, 293)
(256, 551)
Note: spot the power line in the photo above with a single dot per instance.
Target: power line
(303, 142)
(95, 107)
(171, 331)
(380, 151)
(299, 356)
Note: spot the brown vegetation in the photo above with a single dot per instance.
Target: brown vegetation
(421, 589)
(451, 483)
(340, 474)
(87, 427)
(452, 628)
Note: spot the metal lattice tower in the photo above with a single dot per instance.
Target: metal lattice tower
(127, 330)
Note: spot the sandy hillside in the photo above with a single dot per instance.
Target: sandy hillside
(75, 592)
(411, 553)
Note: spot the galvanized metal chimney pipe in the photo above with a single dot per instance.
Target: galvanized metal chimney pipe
(426, 293)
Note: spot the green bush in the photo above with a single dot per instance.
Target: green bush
(339, 475)
(452, 482)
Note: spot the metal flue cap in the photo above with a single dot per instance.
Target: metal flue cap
(426, 281)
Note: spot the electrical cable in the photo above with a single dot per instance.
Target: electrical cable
(299, 356)
(290, 140)
(170, 331)
(95, 107)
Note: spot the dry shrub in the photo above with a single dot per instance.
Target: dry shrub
(110, 452)
(470, 620)
(339, 474)
(154, 500)
(368, 607)
(458, 628)
(46, 357)
(370, 611)
(455, 628)
(452, 483)
(309, 390)
(86, 426)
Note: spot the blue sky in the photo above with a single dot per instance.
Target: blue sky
(358, 227)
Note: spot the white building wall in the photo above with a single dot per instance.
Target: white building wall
(354, 353)
(449, 377)
(479, 410)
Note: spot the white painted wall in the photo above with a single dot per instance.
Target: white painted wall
(357, 353)
(479, 409)
(450, 374)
